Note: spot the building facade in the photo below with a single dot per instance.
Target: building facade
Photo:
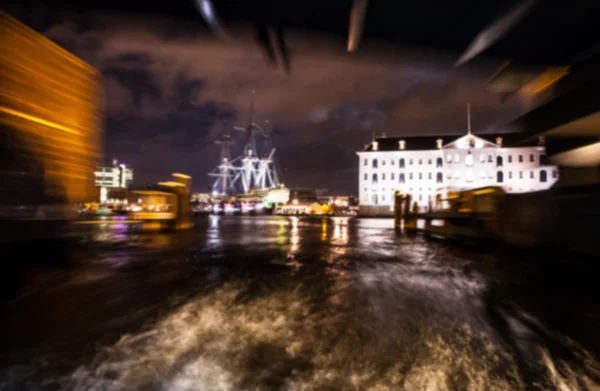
(428, 169)
(117, 175)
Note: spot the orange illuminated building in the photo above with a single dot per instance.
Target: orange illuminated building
(50, 120)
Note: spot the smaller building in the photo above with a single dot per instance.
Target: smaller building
(301, 209)
(115, 176)
(301, 202)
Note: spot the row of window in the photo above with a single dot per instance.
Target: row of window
(439, 160)
(402, 177)
(439, 176)
(402, 162)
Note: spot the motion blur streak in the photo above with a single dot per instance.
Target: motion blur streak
(49, 118)
(357, 20)
(208, 12)
(495, 31)
(273, 303)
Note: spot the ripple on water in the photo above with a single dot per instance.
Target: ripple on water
(393, 316)
(218, 342)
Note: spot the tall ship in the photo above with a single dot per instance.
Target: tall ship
(251, 182)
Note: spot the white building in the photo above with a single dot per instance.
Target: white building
(115, 176)
(427, 168)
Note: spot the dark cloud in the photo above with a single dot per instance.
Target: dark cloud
(170, 92)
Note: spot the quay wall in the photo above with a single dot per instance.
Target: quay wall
(564, 220)
(375, 211)
(571, 220)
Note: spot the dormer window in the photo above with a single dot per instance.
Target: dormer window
(402, 144)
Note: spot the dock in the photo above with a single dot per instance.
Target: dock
(563, 220)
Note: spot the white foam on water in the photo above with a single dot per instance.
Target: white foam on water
(218, 342)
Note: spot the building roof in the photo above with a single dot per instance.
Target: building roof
(430, 142)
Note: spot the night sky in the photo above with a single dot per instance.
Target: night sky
(171, 89)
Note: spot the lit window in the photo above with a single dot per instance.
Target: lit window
(449, 159)
(469, 160)
(510, 158)
(456, 158)
(449, 175)
(520, 158)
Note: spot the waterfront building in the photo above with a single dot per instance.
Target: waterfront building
(115, 176)
(429, 168)
(50, 133)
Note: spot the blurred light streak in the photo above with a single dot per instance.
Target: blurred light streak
(545, 80)
(357, 20)
(207, 10)
(587, 156)
(498, 29)
(50, 108)
(38, 120)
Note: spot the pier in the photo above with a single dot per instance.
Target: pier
(563, 220)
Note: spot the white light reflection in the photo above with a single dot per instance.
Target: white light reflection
(214, 232)
(294, 237)
(340, 231)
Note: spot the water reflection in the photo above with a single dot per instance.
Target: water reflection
(302, 304)
(294, 236)
(214, 231)
(340, 231)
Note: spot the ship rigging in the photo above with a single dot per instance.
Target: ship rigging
(255, 169)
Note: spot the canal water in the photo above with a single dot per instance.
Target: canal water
(279, 303)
